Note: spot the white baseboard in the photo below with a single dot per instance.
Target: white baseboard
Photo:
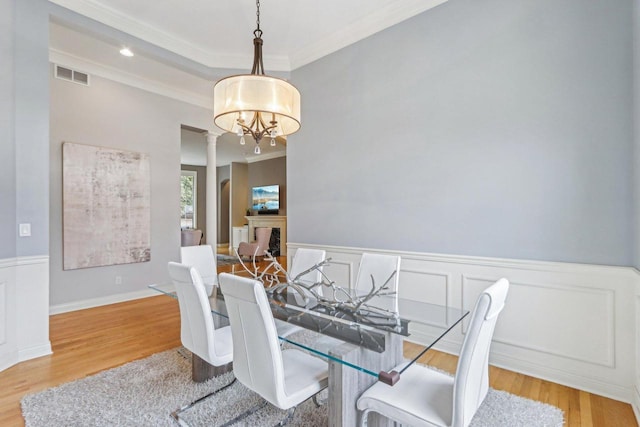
(579, 381)
(97, 302)
(35, 351)
(8, 359)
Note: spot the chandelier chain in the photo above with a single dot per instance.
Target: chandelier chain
(258, 15)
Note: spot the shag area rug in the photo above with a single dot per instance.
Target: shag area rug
(226, 260)
(145, 392)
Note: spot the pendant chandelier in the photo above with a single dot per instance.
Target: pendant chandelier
(256, 104)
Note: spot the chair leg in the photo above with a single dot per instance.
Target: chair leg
(289, 417)
(251, 411)
(245, 414)
(317, 402)
(176, 414)
(363, 418)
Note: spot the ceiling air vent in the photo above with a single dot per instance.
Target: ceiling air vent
(72, 75)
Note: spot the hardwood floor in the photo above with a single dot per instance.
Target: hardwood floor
(88, 341)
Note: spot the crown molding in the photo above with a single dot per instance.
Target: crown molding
(267, 156)
(383, 18)
(108, 16)
(374, 23)
(116, 75)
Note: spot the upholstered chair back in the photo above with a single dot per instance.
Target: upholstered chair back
(304, 259)
(258, 359)
(379, 267)
(263, 235)
(197, 331)
(472, 375)
(190, 237)
(203, 260)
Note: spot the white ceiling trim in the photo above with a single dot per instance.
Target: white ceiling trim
(153, 35)
(267, 156)
(116, 75)
(373, 23)
(378, 21)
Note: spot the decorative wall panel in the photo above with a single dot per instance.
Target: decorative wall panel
(574, 324)
(583, 332)
(106, 206)
(425, 286)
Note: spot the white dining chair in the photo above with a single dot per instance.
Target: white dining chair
(202, 259)
(426, 397)
(376, 269)
(197, 331)
(303, 259)
(284, 378)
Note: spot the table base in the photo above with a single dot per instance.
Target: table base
(201, 370)
(346, 384)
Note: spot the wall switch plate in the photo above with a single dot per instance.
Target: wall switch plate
(118, 280)
(25, 230)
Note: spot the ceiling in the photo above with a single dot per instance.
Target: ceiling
(182, 47)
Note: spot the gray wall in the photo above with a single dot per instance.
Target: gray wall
(494, 128)
(24, 127)
(201, 198)
(113, 115)
(636, 133)
(270, 172)
(7, 146)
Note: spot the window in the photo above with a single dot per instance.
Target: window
(188, 193)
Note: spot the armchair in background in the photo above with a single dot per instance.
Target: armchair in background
(190, 237)
(257, 248)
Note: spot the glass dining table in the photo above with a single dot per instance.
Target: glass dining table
(361, 346)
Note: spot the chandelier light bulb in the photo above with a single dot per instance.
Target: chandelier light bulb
(240, 131)
(257, 150)
(242, 142)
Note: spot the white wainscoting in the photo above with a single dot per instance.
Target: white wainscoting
(572, 324)
(24, 309)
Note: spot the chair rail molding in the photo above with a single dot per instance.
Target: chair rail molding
(24, 309)
(573, 324)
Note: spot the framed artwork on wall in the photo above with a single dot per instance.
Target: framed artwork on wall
(106, 206)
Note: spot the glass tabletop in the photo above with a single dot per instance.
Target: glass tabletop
(321, 327)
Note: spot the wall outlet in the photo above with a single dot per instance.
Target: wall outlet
(24, 230)
(118, 280)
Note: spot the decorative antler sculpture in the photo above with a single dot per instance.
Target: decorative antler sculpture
(343, 302)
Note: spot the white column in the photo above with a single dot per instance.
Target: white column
(212, 192)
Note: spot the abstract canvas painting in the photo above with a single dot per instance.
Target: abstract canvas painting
(106, 206)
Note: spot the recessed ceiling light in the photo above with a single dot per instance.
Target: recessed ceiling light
(126, 51)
